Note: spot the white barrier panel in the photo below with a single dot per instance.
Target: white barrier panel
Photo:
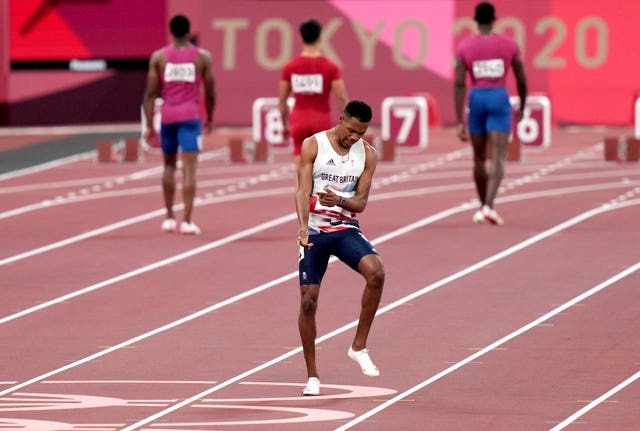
(405, 120)
(154, 145)
(267, 122)
(534, 130)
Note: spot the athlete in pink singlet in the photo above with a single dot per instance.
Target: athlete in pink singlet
(310, 77)
(176, 73)
(487, 58)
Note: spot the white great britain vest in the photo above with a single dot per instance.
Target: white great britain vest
(340, 174)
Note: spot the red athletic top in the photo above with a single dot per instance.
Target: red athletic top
(180, 85)
(310, 79)
(488, 58)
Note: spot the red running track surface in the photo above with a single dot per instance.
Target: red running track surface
(108, 324)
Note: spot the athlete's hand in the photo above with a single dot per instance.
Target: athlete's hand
(303, 238)
(519, 115)
(328, 198)
(149, 134)
(462, 132)
(207, 127)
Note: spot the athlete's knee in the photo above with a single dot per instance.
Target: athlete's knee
(308, 301)
(374, 275)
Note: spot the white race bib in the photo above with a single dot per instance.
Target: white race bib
(311, 83)
(493, 68)
(180, 72)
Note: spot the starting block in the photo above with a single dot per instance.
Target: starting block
(261, 151)
(131, 150)
(127, 150)
(621, 149)
(386, 148)
(242, 150)
(104, 149)
(236, 150)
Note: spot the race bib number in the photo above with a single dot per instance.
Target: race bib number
(306, 83)
(180, 72)
(488, 68)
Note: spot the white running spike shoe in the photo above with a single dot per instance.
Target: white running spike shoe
(492, 216)
(168, 225)
(189, 228)
(313, 387)
(364, 361)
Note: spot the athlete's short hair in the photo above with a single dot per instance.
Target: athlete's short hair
(485, 13)
(179, 26)
(310, 31)
(358, 110)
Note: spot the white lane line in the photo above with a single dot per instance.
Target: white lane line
(193, 316)
(596, 402)
(421, 223)
(98, 184)
(274, 174)
(276, 282)
(210, 246)
(284, 190)
(447, 157)
(487, 349)
(534, 239)
(137, 219)
(45, 166)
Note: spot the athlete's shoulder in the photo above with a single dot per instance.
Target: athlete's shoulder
(328, 63)
(203, 52)
(368, 147)
(203, 55)
(158, 58)
(506, 45)
(159, 53)
(467, 41)
(292, 64)
(309, 148)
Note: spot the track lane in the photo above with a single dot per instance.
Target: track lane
(463, 219)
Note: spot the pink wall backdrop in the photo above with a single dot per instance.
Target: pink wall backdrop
(580, 53)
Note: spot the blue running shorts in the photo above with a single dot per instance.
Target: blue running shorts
(489, 110)
(348, 245)
(184, 134)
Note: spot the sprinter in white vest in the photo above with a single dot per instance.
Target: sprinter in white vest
(334, 178)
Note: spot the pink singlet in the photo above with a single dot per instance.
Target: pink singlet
(180, 85)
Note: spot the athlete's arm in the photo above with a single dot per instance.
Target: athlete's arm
(339, 89)
(521, 82)
(209, 82)
(460, 95)
(359, 201)
(283, 94)
(308, 154)
(151, 91)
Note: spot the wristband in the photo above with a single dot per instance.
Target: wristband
(341, 202)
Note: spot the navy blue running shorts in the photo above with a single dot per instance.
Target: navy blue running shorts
(348, 245)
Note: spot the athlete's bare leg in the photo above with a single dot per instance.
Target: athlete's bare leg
(372, 270)
(499, 141)
(480, 175)
(169, 182)
(189, 165)
(307, 325)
